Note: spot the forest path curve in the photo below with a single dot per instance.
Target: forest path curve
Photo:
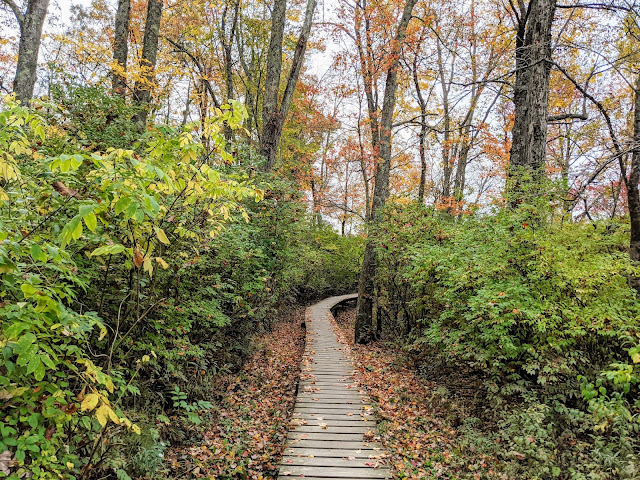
(332, 421)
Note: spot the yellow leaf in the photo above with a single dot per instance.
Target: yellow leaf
(162, 236)
(102, 414)
(162, 263)
(103, 333)
(90, 402)
(148, 266)
(114, 417)
(108, 383)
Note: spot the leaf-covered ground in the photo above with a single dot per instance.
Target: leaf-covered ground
(418, 419)
(244, 434)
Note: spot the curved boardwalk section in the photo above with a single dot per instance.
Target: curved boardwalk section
(331, 424)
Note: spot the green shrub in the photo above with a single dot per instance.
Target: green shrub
(542, 308)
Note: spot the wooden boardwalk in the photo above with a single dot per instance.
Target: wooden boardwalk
(331, 420)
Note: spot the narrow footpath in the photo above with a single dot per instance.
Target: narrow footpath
(332, 426)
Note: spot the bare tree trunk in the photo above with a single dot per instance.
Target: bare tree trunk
(121, 48)
(345, 198)
(31, 24)
(633, 195)
(364, 314)
(227, 43)
(144, 87)
(185, 113)
(365, 174)
(447, 167)
(465, 147)
(531, 98)
(274, 115)
(366, 55)
(423, 130)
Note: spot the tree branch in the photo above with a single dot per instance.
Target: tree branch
(598, 6)
(298, 59)
(16, 11)
(182, 49)
(567, 116)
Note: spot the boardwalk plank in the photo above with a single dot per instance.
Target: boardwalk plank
(332, 414)
(333, 472)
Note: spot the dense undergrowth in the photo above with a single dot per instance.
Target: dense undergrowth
(136, 271)
(539, 311)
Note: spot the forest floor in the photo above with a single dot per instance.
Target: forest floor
(421, 418)
(243, 435)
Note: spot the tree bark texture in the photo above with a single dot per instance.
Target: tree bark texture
(121, 47)
(531, 98)
(144, 87)
(274, 113)
(31, 24)
(364, 328)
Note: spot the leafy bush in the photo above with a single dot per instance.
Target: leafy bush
(543, 309)
(62, 391)
(135, 271)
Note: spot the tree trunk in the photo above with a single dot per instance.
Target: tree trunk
(274, 115)
(465, 147)
(31, 24)
(447, 167)
(144, 87)
(633, 195)
(531, 98)
(121, 48)
(363, 169)
(364, 313)
(423, 130)
(227, 43)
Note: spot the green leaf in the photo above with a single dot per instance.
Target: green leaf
(91, 221)
(121, 204)
(27, 355)
(33, 420)
(131, 209)
(85, 210)
(46, 359)
(37, 253)
(34, 364)
(77, 232)
(25, 342)
(71, 230)
(15, 329)
(28, 290)
(108, 250)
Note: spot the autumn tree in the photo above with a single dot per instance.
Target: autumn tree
(381, 133)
